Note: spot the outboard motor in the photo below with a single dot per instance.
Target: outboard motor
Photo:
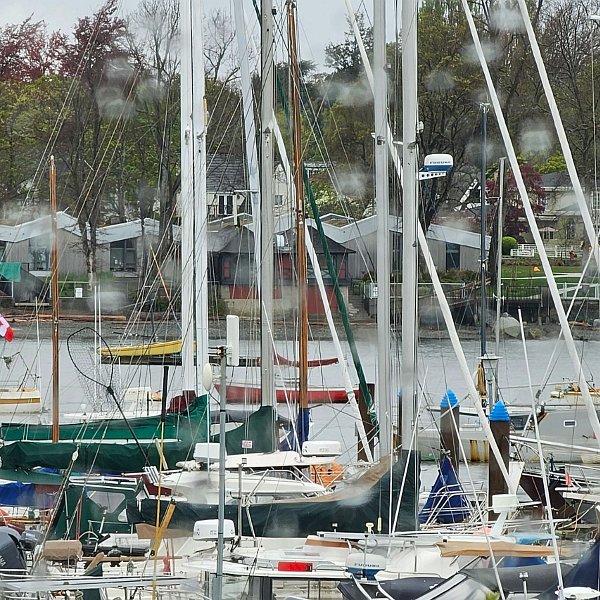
(31, 538)
(364, 565)
(12, 557)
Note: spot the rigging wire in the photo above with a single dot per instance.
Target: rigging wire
(75, 345)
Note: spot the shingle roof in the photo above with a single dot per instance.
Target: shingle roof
(225, 173)
(552, 181)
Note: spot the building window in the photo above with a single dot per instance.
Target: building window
(452, 256)
(39, 252)
(225, 205)
(547, 233)
(123, 255)
(278, 199)
(570, 229)
(2, 251)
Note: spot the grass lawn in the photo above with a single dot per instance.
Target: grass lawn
(533, 275)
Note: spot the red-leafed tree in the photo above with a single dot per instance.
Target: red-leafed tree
(514, 221)
(25, 51)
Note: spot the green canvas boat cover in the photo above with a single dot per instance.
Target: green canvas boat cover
(92, 457)
(115, 454)
(258, 428)
(10, 271)
(184, 426)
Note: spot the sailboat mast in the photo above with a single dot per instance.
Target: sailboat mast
(300, 215)
(55, 305)
(249, 125)
(265, 228)
(410, 249)
(200, 212)
(383, 239)
(187, 201)
(482, 257)
(500, 217)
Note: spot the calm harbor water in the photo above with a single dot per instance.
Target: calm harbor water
(548, 361)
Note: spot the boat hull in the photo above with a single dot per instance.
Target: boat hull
(21, 400)
(350, 508)
(252, 394)
(152, 349)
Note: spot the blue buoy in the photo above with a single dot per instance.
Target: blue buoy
(499, 412)
(449, 400)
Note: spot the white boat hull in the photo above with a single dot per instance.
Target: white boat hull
(566, 426)
(20, 400)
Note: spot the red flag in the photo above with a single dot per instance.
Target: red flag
(6, 330)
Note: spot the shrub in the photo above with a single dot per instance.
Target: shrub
(508, 243)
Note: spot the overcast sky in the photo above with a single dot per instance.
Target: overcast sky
(320, 21)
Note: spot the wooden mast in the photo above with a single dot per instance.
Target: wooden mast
(55, 306)
(300, 216)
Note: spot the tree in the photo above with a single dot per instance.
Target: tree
(219, 37)
(568, 39)
(156, 141)
(25, 51)
(450, 90)
(345, 58)
(96, 61)
(515, 222)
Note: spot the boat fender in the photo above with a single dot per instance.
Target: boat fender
(364, 565)
(187, 465)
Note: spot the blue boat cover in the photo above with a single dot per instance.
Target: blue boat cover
(302, 426)
(25, 494)
(584, 574)
(446, 502)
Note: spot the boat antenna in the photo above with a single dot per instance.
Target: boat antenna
(80, 355)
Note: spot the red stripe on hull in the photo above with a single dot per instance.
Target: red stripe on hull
(241, 393)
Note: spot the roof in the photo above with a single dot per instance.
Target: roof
(241, 241)
(368, 226)
(334, 247)
(38, 227)
(569, 210)
(65, 222)
(339, 220)
(225, 173)
(552, 181)
(238, 241)
(226, 238)
(131, 229)
(452, 235)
